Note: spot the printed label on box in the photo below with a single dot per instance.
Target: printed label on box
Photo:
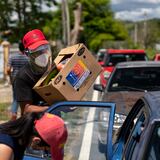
(78, 75)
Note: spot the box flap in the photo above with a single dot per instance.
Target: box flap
(70, 50)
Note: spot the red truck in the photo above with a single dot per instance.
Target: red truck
(114, 56)
(157, 57)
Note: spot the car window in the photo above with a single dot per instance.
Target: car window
(153, 151)
(135, 79)
(124, 144)
(100, 54)
(113, 59)
(133, 139)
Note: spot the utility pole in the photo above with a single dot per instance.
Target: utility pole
(145, 29)
(135, 34)
(65, 23)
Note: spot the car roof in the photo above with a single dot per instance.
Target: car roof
(125, 51)
(153, 100)
(134, 64)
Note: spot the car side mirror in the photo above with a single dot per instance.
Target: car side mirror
(98, 87)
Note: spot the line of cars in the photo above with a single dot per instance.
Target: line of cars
(125, 83)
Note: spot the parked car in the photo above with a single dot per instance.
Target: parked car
(139, 136)
(114, 56)
(137, 139)
(128, 82)
(157, 57)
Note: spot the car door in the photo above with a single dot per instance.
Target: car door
(130, 133)
(83, 121)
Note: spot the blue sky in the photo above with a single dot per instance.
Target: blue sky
(136, 10)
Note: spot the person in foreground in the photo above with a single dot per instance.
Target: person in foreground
(38, 51)
(16, 136)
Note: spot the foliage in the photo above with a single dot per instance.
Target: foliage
(53, 27)
(97, 20)
(147, 41)
(99, 24)
(29, 15)
(150, 53)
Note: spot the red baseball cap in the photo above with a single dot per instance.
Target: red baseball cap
(54, 132)
(34, 39)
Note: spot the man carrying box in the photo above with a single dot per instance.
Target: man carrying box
(39, 53)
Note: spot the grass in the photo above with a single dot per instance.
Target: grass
(4, 112)
(2, 81)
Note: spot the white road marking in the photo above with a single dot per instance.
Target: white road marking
(87, 136)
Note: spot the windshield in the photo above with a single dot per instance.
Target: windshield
(113, 59)
(135, 79)
(101, 54)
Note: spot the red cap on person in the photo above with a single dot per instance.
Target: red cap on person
(34, 39)
(54, 132)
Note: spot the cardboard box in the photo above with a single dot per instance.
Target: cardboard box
(73, 81)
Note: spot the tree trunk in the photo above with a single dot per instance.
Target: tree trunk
(77, 27)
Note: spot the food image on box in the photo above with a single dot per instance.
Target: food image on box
(50, 76)
(78, 74)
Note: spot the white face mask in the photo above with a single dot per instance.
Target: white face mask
(42, 60)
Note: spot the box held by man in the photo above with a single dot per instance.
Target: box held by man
(73, 80)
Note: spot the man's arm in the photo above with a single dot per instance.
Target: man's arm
(27, 107)
(9, 68)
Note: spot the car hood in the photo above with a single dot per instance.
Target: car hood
(124, 100)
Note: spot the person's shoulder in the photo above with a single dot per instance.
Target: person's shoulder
(23, 72)
(26, 73)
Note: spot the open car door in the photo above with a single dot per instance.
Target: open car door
(88, 123)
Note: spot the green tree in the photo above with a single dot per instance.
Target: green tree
(29, 15)
(98, 23)
(5, 14)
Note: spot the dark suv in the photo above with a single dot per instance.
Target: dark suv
(129, 81)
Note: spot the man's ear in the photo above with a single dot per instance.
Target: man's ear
(36, 141)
